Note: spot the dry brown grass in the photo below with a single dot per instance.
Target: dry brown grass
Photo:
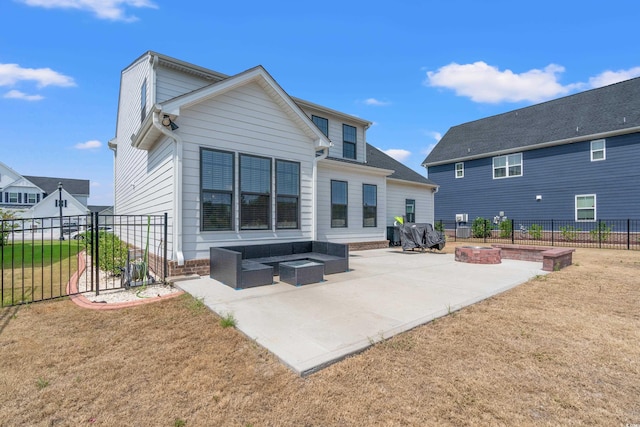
(560, 349)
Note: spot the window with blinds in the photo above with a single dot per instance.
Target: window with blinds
(287, 194)
(255, 193)
(216, 183)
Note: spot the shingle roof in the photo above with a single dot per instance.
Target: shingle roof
(576, 117)
(50, 185)
(379, 159)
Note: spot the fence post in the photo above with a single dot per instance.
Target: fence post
(95, 238)
(513, 231)
(599, 234)
(628, 233)
(552, 230)
(166, 226)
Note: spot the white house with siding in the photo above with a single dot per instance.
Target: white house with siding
(37, 197)
(235, 160)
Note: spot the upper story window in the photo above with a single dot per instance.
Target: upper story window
(143, 100)
(31, 198)
(216, 187)
(322, 123)
(598, 150)
(255, 193)
(460, 170)
(13, 198)
(348, 142)
(507, 166)
(287, 194)
(586, 207)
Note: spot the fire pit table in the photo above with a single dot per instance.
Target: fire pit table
(301, 272)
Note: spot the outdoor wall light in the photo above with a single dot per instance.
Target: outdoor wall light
(166, 121)
(538, 197)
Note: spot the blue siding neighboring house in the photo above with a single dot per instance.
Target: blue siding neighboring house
(573, 158)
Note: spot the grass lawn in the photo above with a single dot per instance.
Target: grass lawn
(561, 349)
(39, 270)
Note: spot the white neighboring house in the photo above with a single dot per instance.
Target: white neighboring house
(35, 198)
(235, 160)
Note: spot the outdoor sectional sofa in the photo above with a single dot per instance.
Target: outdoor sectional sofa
(255, 265)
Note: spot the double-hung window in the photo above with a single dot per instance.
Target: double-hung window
(13, 198)
(216, 186)
(287, 194)
(598, 150)
(460, 170)
(339, 204)
(369, 205)
(143, 100)
(507, 166)
(255, 193)
(586, 207)
(410, 210)
(349, 142)
(31, 198)
(322, 123)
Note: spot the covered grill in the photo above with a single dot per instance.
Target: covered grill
(422, 236)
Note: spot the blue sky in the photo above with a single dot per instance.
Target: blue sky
(413, 68)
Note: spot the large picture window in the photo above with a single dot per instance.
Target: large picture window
(339, 204)
(348, 142)
(322, 123)
(255, 193)
(216, 183)
(369, 205)
(287, 194)
(586, 207)
(507, 166)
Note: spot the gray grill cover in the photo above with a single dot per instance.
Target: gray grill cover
(420, 236)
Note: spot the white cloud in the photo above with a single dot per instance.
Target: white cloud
(375, 102)
(11, 74)
(95, 184)
(435, 135)
(89, 145)
(398, 153)
(610, 77)
(16, 94)
(427, 149)
(113, 10)
(485, 83)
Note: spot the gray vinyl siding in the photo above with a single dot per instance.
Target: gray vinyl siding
(557, 174)
(143, 179)
(244, 121)
(335, 133)
(354, 232)
(171, 83)
(399, 191)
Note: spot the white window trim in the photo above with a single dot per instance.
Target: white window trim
(493, 168)
(461, 169)
(604, 150)
(595, 208)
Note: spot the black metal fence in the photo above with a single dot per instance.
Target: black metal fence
(605, 234)
(53, 257)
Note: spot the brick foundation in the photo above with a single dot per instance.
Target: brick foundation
(194, 266)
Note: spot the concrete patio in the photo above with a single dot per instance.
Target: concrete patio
(387, 292)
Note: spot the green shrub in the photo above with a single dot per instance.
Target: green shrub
(535, 231)
(505, 229)
(439, 226)
(569, 233)
(601, 233)
(113, 253)
(481, 227)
